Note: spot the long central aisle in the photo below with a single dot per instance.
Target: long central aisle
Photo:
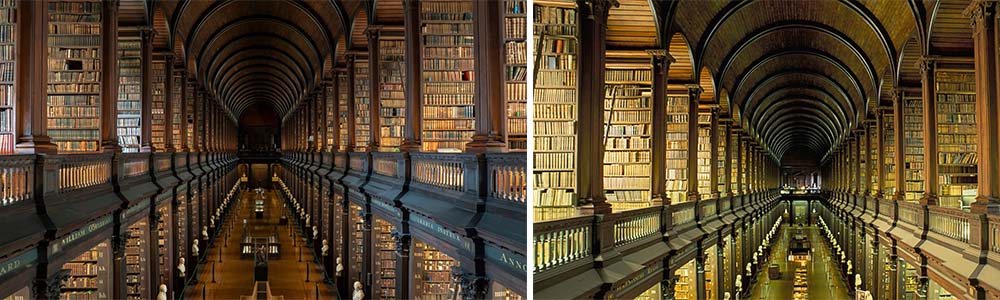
(823, 282)
(234, 275)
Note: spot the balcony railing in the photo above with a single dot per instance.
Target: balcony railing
(135, 164)
(949, 222)
(993, 234)
(79, 171)
(562, 241)
(683, 213)
(445, 171)
(16, 178)
(909, 212)
(386, 164)
(508, 178)
(636, 224)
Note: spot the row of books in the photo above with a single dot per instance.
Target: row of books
(626, 183)
(627, 170)
(449, 124)
(554, 160)
(628, 116)
(558, 128)
(69, 123)
(639, 156)
(627, 130)
(458, 135)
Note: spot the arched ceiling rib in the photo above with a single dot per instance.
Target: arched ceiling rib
(247, 52)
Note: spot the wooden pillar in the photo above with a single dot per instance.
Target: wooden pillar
(487, 23)
(374, 90)
(713, 156)
(324, 123)
(403, 250)
(694, 93)
(880, 145)
(661, 66)
(109, 76)
(168, 102)
(927, 69)
(864, 148)
(739, 164)
(334, 91)
(592, 16)
(411, 84)
(728, 167)
(984, 22)
(196, 116)
(146, 35)
(351, 112)
(184, 147)
(31, 79)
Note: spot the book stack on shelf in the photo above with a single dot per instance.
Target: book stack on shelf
(8, 26)
(734, 171)
(181, 225)
(501, 292)
(433, 279)
(163, 246)
(685, 289)
(357, 239)
(710, 265)
(627, 137)
(135, 262)
(448, 75)
(873, 136)
(515, 90)
(653, 293)
(392, 103)
(337, 240)
(342, 101)
(159, 102)
(385, 259)
(74, 65)
(956, 138)
(857, 146)
(677, 151)
(555, 103)
(889, 145)
(720, 159)
(332, 137)
(88, 275)
(704, 159)
(129, 93)
(911, 280)
(913, 133)
(189, 112)
(362, 106)
(176, 108)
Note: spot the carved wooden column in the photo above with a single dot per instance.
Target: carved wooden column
(740, 172)
(880, 145)
(374, 89)
(334, 91)
(182, 98)
(927, 69)
(984, 22)
(412, 84)
(146, 34)
(661, 66)
(728, 165)
(713, 156)
(490, 78)
(168, 102)
(694, 93)
(324, 111)
(196, 115)
(592, 15)
(31, 79)
(351, 112)
(109, 76)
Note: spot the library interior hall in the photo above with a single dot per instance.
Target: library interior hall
(765, 149)
(279, 149)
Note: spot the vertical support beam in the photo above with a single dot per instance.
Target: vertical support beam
(334, 91)
(183, 100)
(694, 93)
(661, 61)
(984, 22)
(728, 167)
(411, 85)
(324, 123)
(31, 79)
(196, 114)
(374, 90)
(713, 157)
(351, 112)
(880, 142)
(927, 78)
(109, 76)
(403, 250)
(592, 15)
(168, 102)
(490, 75)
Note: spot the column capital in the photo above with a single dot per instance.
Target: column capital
(694, 90)
(147, 33)
(926, 64)
(978, 10)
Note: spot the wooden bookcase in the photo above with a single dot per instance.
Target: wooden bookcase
(74, 66)
(432, 280)
(129, 93)
(448, 75)
(136, 261)
(189, 112)
(555, 108)
(873, 162)
(734, 171)
(956, 137)
(331, 118)
(356, 235)
(89, 275)
(516, 73)
(8, 30)
(889, 145)
(501, 292)
(704, 154)
(392, 103)
(627, 136)
(913, 132)
(342, 101)
(362, 106)
(163, 248)
(178, 111)
(677, 147)
(159, 102)
(685, 287)
(653, 293)
(385, 260)
(183, 238)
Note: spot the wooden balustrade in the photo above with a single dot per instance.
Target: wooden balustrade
(338, 160)
(708, 207)
(77, 171)
(386, 164)
(725, 204)
(16, 178)
(949, 222)
(682, 213)
(180, 160)
(134, 164)
(636, 224)
(886, 209)
(162, 162)
(508, 179)
(909, 212)
(993, 234)
(358, 162)
(445, 171)
(562, 241)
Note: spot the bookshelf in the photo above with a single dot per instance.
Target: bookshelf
(175, 106)
(704, 154)
(873, 161)
(501, 292)
(685, 289)
(136, 283)
(392, 103)
(734, 154)
(653, 293)
(332, 137)
(343, 92)
(720, 159)
(385, 259)
(181, 225)
(338, 241)
(432, 280)
(362, 106)
(448, 75)
(555, 110)
(711, 264)
(956, 137)
(911, 280)
(8, 27)
(357, 240)
(159, 102)
(627, 137)
(163, 247)
(913, 155)
(89, 276)
(74, 66)
(677, 152)
(129, 93)
(516, 73)
(189, 112)
(889, 145)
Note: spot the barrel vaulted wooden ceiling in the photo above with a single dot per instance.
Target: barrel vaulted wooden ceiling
(796, 73)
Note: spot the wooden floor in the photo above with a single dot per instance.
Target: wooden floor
(821, 284)
(234, 275)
